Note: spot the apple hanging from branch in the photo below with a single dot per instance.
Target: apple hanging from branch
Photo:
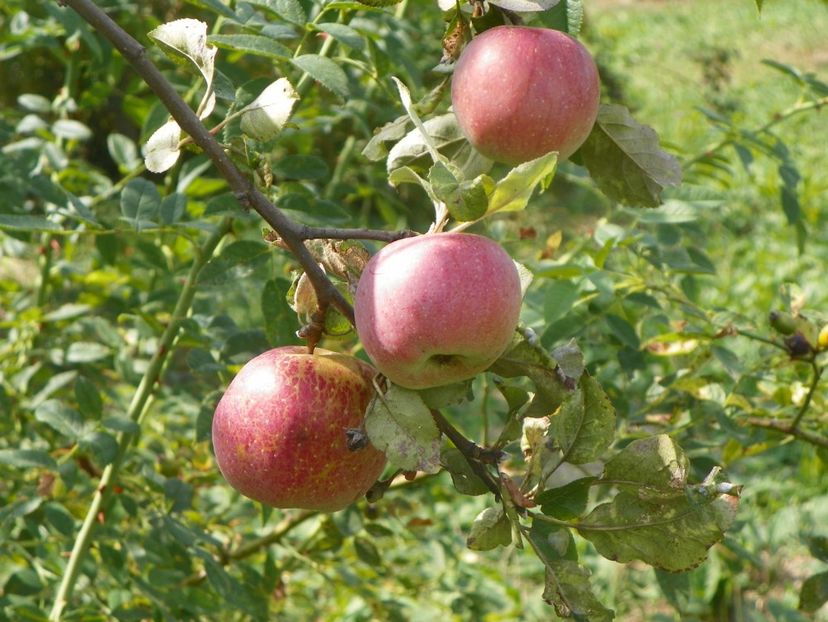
(519, 93)
(438, 308)
(280, 430)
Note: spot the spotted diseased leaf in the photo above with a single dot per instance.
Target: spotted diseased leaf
(489, 530)
(672, 535)
(465, 480)
(567, 588)
(625, 159)
(652, 468)
(584, 425)
(400, 425)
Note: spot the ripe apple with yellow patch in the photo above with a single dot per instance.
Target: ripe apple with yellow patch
(280, 432)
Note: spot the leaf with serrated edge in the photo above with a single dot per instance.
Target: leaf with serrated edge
(653, 468)
(325, 71)
(673, 535)
(512, 193)
(489, 530)
(625, 159)
(400, 425)
(584, 426)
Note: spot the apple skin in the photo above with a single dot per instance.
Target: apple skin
(438, 308)
(279, 430)
(519, 93)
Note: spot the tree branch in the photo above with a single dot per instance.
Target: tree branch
(243, 189)
(787, 428)
(334, 233)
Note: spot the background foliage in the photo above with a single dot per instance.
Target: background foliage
(670, 306)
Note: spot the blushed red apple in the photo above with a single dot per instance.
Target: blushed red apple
(437, 308)
(279, 430)
(519, 93)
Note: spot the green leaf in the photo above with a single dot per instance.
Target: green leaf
(15, 222)
(325, 71)
(652, 468)
(367, 551)
(123, 151)
(400, 424)
(625, 159)
(140, 203)
(342, 33)
(567, 588)
(290, 10)
(818, 545)
(529, 359)
(234, 262)
(584, 426)
(552, 542)
(27, 459)
(574, 16)
(622, 330)
(102, 445)
(447, 394)
(462, 476)
(62, 419)
(814, 592)
(301, 167)
(172, 208)
(568, 501)
(489, 530)
(570, 360)
(251, 44)
(280, 323)
(673, 535)
(512, 193)
(88, 398)
(393, 130)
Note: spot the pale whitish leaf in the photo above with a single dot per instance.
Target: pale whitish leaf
(34, 102)
(584, 426)
(264, 118)
(405, 99)
(512, 193)
(86, 352)
(187, 39)
(325, 71)
(489, 530)
(71, 130)
(140, 202)
(625, 159)
(652, 468)
(673, 535)
(400, 425)
(526, 277)
(568, 590)
(161, 151)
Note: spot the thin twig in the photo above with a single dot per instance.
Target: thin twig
(334, 233)
(476, 457)
(245, 192)
(787, 428)
(811, 390)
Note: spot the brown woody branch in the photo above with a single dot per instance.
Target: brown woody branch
(245, 192)
(789, 429)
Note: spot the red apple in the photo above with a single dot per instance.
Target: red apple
(438, 308)
(279, 431)
(519, 93)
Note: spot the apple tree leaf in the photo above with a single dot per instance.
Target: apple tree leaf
(568, 501)
(567, 588)
(814, 592)
(140, 203)
(528, 358)
(489, 530)
(448, 394)
(512, 193)
(161, 151)
(325, 71)
(264, 118)
(466, 200)
(394, 130)
(400, 425)
(584, 425)
(625, 159)
(523, 6)
(672, 535)
(465, 480)
(652, 468)
(570, 360)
